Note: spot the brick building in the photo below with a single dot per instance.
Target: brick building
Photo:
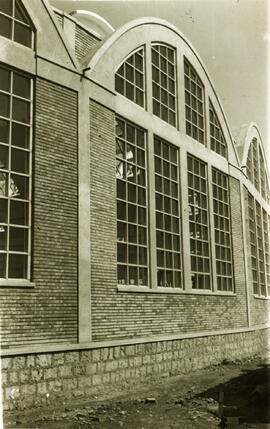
(134, 228)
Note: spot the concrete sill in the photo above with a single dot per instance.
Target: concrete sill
(17, 283)
(164, 290)
(265, 298)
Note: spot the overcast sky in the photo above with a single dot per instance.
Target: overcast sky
(231, 36)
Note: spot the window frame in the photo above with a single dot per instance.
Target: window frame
(192, 101)
(161, 68)
(16, 21)
(118, 76)
(7, 280)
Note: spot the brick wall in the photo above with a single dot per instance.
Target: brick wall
(84, 41)
(48, 312)
(42, 379)
(125, 315)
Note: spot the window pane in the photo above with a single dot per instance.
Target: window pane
(20, 13)
(3, 210)
(21, 111)
(3, 258)
(17, 266)
(5, 26)
(19, 161)
(4, 131)
(6, 6)
(4, 152)
(21, 86)
(4, 79)
(22, 34)
(4, 105)
(20, 136)
(19, 186)
(18, 239)
(3, 237)
(18, 213)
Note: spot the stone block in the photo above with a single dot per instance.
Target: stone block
(6, 364)
(70, 384)
(30, 361)
(19, 362)
(58, 359)
(44, 360)
(25, 376)
(90, 368)
(97, 379)
(50, 373)
(37, 374)
(65, 371)
(71, 357)
(84, 382)
(96, 355)
(54, 386)
(13, 377)
(42, 388)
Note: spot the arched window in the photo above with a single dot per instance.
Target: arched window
(164, 83)
(256, 170)
(130, 78)
(194, 103)
(218, 143)
(15, 24)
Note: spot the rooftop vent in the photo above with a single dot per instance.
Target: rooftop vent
(94, 22)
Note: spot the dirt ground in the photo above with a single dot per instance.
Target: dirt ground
(231, 395)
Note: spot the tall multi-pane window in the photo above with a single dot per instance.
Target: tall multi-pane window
(217, 139)
(262, 174)
(256, 169)
(223, 245)
(253, 244)
(15, 174)
(130, 79)
(167, 214)
(260, 249)
(194, 103)
(199, 223)
(266, 227)
(164, 82)
(15, 23)
(132, 237)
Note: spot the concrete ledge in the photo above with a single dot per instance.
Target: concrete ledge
(62, 347)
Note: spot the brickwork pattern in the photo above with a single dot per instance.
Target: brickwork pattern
(84, 41)
(126, 315)
(42, 379)
(48, 312)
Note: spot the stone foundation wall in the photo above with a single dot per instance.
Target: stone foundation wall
(33, 380)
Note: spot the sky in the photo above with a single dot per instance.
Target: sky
(232, 38)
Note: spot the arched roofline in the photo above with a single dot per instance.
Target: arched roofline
(91, 60)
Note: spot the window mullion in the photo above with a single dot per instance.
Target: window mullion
(185, 244)
(151, 213)
(212, 229)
